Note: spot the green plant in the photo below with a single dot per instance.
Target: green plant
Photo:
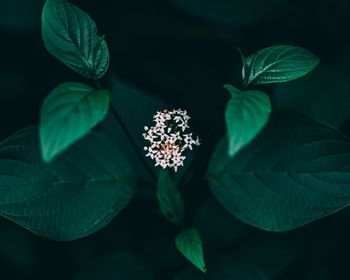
(65, 180)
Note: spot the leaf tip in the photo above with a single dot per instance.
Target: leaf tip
(230, 88)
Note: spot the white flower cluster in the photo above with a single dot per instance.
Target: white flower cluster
(168, 139)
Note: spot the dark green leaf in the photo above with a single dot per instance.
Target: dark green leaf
(189, 243)
(169, 198)
(246, 115)
(278, 64)
(295, 172)
(70, 35)
(68, 114)
(76, 195)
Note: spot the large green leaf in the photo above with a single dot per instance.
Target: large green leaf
(74, 196)
(169, 198)
(68, 114)
(189, 243)
(295, 172)
(277, 64)
(246, 115)
(70, 35)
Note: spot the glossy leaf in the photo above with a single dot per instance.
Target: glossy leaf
(277, 64)
(76, 195)
(246, 115)
(189, 243)
(169, 198)
(295, 172)
(68, 114)
(70, 35)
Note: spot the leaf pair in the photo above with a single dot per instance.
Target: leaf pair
(188, 241)
(248, 111)
(83, 189)
(72, 109)
(297, 171)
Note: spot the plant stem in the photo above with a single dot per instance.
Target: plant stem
(133, 143)
(129, 137)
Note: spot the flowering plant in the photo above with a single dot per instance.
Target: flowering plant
(95, 149)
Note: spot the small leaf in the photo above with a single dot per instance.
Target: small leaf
(295, 172)
(72, 197)
(70, 35)
(169, 198)
(189, 243)
(278, 64)
(246, 115)
(68, 114)
(244, 62)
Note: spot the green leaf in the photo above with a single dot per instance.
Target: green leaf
(246, 115)
(189, 243)
(278, 64)
(76, 195)
(70, 35)
(68, 114)
(295, 172)
(169, 198)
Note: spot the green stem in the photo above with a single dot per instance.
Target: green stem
(129, 137)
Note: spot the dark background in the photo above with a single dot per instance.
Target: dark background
(182, 51)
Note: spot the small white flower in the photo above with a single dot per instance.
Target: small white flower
(167, 140)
